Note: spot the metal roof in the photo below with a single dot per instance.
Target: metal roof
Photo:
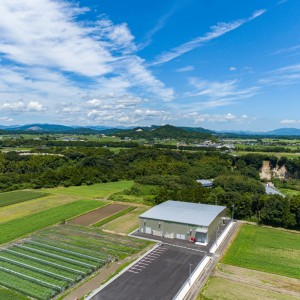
(205, 182)
(184, 212)
(273, 191)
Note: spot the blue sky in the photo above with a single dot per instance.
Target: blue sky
(215, 64)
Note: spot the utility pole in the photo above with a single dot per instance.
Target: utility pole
(232, 212)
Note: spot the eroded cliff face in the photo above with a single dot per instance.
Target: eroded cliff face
(268, 173)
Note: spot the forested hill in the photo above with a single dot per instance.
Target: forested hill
(162, 132)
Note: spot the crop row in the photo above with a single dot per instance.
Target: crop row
(61, 255)
(98, 233)
(24, 286)
(56, 260)
(43, 264)
(101, 240)
(57, 240)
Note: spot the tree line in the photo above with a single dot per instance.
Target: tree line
(171, 174)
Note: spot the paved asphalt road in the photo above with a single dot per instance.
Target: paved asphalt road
(159, 275)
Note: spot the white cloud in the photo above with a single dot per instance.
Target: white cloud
(287, 50)
(59, 57)
(225, 118)
(185, 69)
(216, 93)
(289, 121)
(6, 119)
(216, 31)
(35, 106)
(21, 106)
(43, 33)
(283, 76)
(232, 69)
(160, 24)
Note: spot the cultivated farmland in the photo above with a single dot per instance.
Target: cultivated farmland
(98, 214)
(9, 198)
(7, 294)
(266, 249)
(29, 207)
(99, 190)
(22, 226)
(58, 257)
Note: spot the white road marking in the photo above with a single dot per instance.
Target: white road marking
(143, 267)
(132, 271)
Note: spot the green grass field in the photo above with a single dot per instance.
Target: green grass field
(278, 154)
(266, 249)
(99, 190)
(22, 226)
(9, 198)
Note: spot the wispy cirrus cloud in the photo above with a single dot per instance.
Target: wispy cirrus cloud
(160, 24)
(219, 93)
(283, 76)
(215, 31)
(185, 69)
(289, 50)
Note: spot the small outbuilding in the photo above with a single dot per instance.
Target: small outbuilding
(205, 182)
(183, 220)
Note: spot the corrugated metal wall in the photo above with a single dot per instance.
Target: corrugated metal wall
(178, 230)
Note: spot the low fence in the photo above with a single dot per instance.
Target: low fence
(192, 278)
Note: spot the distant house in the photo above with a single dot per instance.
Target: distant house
(205, 182)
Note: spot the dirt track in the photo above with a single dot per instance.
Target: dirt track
(98, 214)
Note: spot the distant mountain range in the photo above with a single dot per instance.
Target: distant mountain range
(166, 131)
(275, 132)
(142, 132)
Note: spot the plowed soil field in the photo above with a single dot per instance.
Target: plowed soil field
(98, 214)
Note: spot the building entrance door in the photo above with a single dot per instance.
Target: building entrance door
(200, 237)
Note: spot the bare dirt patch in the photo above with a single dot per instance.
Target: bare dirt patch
(98, 214)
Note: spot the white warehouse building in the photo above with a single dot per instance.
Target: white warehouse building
(183, 220)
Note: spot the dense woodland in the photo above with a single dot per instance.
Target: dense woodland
(167, 174)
